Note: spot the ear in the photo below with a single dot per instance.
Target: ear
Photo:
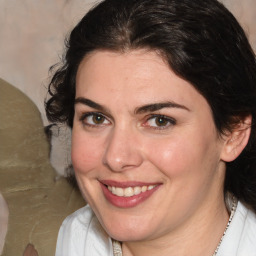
(236, 140)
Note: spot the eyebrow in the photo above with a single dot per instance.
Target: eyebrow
(140, 110)
(90, 103)
(157, 106)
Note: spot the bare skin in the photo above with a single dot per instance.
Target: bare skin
(137, 123)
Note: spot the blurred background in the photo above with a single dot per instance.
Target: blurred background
(31, 40)
(32, 33)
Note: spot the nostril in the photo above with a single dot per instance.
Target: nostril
(121, 153)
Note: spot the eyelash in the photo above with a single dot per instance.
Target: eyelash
(93, 114)
(168, 121)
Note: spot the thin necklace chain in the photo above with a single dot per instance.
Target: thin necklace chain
(117, 247)
(232, 212)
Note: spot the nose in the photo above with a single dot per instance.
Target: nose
(123, 151)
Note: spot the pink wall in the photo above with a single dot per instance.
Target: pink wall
(31, 38)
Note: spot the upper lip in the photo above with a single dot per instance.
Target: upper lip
(125, 184)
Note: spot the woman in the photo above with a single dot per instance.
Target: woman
(160, 96)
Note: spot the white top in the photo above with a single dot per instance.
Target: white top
(82, 235)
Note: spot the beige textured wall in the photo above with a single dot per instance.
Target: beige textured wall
(31, 38)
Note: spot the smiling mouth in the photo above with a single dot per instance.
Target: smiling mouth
(127, 194)
(129, 191)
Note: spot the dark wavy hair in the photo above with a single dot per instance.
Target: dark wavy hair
(201, 41)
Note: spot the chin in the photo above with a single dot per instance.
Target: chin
(128, 233)
(128, 236)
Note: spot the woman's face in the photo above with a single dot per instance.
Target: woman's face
(145, 150)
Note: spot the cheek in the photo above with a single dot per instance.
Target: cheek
(85, 153)
(171, 158)
(181, 155)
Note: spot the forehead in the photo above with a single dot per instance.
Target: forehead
(136, 64)
(138, 77)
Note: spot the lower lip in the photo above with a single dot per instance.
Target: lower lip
(127, 202)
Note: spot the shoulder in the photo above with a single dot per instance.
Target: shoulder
(240, 238)
(81, 234)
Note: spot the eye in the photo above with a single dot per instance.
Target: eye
(94, 119)
(160, 122)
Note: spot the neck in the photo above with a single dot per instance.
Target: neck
(199, 235)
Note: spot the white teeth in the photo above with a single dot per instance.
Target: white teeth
(144, 188)
(137, 190)
(119, 192)
(130, 191)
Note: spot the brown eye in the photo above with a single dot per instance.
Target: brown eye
(98, 119)
(160, 122)
(94, 119)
